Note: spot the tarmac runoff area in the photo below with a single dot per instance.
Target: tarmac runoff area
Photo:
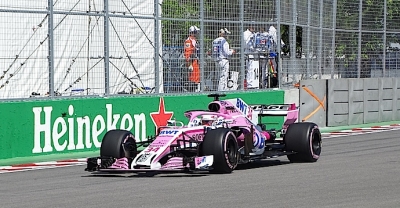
(78, 159)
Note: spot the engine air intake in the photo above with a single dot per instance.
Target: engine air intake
(214, 107)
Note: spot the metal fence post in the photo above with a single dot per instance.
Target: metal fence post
(293, 46)
(156, 47)
(51, 47)
(106, 50)
(308, 47)
(333, 48)
(242, 43)
(202, 68)
(384, 38)
(278, 40)
(320, 48)
(359, 39)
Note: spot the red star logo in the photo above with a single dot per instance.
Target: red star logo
(161, 117)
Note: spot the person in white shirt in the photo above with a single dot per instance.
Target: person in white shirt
(248, 37)
(221, 52)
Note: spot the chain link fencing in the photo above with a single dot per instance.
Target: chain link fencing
(54, 48)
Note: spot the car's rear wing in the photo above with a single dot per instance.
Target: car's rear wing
(274, 109)
(289, 110)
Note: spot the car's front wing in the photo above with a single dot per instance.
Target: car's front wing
(175, 164)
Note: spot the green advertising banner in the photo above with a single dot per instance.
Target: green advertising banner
(44, 127)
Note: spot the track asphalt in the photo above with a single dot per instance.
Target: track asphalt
(353, 171)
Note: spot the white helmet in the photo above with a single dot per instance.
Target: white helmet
(208, 119)
(193, 29)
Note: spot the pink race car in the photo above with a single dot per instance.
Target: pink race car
(229, 133)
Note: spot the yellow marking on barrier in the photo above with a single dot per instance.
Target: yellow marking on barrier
(321, 103)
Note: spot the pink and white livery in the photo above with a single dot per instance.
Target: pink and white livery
(229, 133)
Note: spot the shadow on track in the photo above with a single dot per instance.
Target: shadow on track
(148, 175)
(248, 166)
(261, 164)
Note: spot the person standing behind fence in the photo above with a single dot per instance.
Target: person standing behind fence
(191, 53)
(272, 66)
(221, 53)
(248, 37)
(263, 45)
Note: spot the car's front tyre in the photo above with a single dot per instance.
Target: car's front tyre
(222, 144)
(118, 144)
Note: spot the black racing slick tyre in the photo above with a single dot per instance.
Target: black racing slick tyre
(222, 144)
(304, 139)
(118, 144)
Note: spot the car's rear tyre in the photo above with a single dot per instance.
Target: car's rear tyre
(222, 144)
(118, 144)
(305, 140)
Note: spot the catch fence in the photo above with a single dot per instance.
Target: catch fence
(54, 48)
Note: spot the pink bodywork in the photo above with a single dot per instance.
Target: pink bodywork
(239, 115)
(291, 116)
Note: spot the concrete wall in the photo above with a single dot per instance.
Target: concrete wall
(313, 99)
(351, 101)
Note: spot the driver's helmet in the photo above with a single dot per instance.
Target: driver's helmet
(208, 120)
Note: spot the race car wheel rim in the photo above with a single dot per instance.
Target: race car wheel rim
(316, 143)
(129, 147)
(231, 152)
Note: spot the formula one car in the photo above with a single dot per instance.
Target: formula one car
(229, 133)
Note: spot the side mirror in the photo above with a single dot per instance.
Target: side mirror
(174, 123)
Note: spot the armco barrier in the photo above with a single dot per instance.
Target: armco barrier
(43, 127)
